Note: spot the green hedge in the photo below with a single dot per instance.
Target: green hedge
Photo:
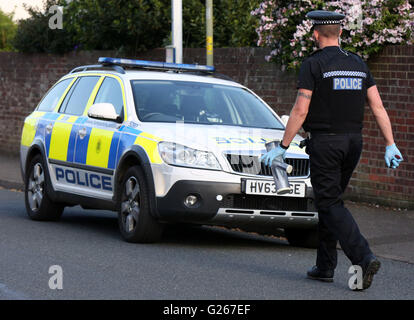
(134, 25)
(34, 35)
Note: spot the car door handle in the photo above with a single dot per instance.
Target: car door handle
(49, 128)
(82, 133)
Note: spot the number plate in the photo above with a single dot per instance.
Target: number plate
(265, 187)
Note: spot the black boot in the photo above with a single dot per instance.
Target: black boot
(322, 275)
(370, 266)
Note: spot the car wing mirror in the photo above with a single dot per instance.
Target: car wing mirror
(104, 111)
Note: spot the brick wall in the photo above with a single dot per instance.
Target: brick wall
(393, 71)
(25, 78)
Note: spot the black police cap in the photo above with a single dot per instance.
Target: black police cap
(325, 17)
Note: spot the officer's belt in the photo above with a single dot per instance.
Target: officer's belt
(321, 133)
(313, 134)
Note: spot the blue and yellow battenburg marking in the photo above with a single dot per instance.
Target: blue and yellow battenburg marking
(30, 128)
(99, 147)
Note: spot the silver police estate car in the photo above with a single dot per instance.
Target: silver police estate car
(160, 143)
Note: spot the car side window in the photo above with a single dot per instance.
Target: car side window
(111, 92)
(51, 99)
(76, 100)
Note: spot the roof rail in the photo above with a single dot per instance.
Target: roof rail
(98, 67)
(155, 65)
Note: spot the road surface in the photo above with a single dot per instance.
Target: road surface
(189, 263)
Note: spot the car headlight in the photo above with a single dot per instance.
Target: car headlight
(179, 155)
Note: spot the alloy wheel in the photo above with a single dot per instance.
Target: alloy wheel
(130, 206)
(36, 187)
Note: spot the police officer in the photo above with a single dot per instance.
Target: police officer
(333, 86)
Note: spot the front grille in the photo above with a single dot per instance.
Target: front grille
(258, 202)
(251, 165)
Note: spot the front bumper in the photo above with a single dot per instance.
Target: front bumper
(223, 203)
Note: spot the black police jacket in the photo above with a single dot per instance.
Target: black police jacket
(339, 80)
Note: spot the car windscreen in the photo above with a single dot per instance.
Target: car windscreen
(200, 103)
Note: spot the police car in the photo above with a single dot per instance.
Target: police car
(161, 143)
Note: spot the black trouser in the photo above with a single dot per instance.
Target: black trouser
(333, 158)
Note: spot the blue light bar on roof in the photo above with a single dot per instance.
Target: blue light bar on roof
(156, 64)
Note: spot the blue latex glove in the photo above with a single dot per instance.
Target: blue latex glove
(392, 156)
(268, 157)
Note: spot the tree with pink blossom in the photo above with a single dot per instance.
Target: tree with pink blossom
(368, 26)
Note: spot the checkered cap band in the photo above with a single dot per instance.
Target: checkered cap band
(316, 22)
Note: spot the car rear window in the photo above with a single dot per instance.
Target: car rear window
(51, 99)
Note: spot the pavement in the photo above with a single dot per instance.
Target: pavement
(389, 231)
(10, 175)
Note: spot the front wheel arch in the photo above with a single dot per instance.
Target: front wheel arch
(136, 156)
(135, 220)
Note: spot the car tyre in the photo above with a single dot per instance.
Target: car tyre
(307, 238)
(135, 221)
(39, 206)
